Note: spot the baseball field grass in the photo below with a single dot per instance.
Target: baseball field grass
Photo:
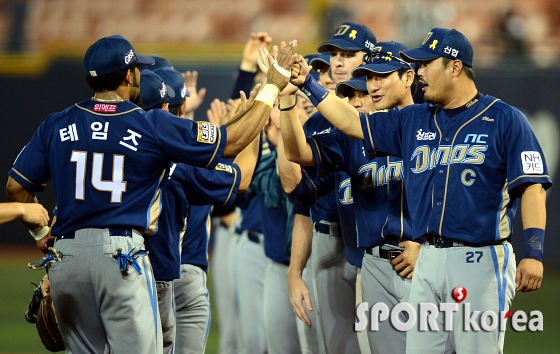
(18, 336)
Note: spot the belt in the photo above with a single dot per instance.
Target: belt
(113, 231)
(326, 228)
(442, 242)
(254, 236)
(385, 253)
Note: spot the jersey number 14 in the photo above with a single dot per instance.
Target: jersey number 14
(116, 186)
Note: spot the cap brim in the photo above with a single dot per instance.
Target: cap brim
(143, 59)
(340, 44)
(418, 54)
(170, 91)
(378, 68)
(342, 88)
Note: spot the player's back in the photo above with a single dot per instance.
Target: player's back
(106, 162)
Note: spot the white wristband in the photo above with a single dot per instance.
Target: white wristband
(268, 95)
(280, 69)
(40, 232)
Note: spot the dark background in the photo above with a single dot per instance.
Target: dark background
(26, 100)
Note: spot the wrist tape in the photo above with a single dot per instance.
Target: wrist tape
(40, 232)
(314, 90)
(534, 243)
(268, 95)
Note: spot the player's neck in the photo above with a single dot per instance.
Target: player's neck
(406, 102)
(462, 95)
(107, 96)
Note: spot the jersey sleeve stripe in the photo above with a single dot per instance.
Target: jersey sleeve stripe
(232, 187)
(370, 137)
(219, 141)
(319, 155)
(27, 179)
(531, 176)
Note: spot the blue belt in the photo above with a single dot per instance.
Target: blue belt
(113, 231)
(253, 236)
(442, 242)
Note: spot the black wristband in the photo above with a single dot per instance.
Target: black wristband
(287, 108)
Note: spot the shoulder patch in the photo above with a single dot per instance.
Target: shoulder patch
(206, 133)
(532, 162)
(223, 167)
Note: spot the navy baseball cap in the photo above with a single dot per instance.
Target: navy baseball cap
(343, 88)
(350, 36)
(174, 79)
(159, 62)
(110, 54)
(313, 72)
(323, 58)
(153, 90)
(384, 59)
(442, 42)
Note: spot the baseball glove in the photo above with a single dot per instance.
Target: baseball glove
(34, 302)
(47, 326)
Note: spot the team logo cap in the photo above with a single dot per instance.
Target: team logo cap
(174, 79)
(350, 36)
(343, 88)
(442, 42)
(153, 90)
(110, 54)
(384, 59)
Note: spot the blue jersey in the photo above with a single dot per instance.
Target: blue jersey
(377, 187)
(277, 215)
(194, 248)
(186, 185)
(462, 172)
(107, 161)
(325, 208)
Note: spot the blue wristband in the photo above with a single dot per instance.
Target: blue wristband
(314, 90)
(534, 243)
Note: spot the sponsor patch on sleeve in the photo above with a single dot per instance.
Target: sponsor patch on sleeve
(222, 167)
(207, 133)
(532, 162)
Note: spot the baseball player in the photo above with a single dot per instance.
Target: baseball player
(468, 158)
(183, 303)
(118, 154)
(279, 323)
(334, 309)
(382, 219)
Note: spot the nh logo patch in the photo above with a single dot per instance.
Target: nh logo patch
(532, 162)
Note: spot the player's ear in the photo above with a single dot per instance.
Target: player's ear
(457, 67)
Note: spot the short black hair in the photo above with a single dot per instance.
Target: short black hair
(175, 110)
(108, 82)
(414, 85)
(468, 71)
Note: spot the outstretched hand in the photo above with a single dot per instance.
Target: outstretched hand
(196, 97)
(266, 60)
(279, 70)
(299, 71)
(251, 51)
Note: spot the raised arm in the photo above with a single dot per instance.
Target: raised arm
(340, 113)
(245, 127)
(296, 147)
(247, 162)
